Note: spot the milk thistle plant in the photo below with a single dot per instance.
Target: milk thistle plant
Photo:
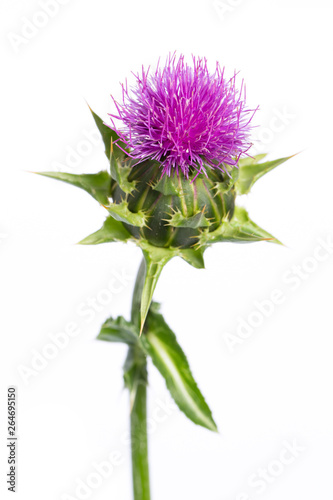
(177, 149)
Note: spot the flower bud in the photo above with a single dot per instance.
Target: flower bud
(176, 208)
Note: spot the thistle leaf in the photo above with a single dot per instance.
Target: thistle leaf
(161, 344)
(97, 185)
(251, 160)
(118, 330)
(112, 230)
(109, 136)
(193, 256)
(155, 258)
(135, 372)
(241, 229)
(242, 220)
(197, 220)
(121, 212)
(249, 173)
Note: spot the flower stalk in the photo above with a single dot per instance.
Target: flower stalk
(139, 437)
(138, 401)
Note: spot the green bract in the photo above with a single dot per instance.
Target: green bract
(169, 216)
(173, 211)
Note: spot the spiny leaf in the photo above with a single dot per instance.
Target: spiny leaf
(156, 258)
(250, 160)
(120, 171)
(97, 185)
(112, 230)
(193, 256)
(161, 344)
(249, 173)
(177, 219)
(118, 330)
(108, 136)
(239, 230)
(121, 212)
(241, 219)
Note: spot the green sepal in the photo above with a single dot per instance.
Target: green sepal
(249, 173)
(177, 219)
(112, 230)
(120, 171)
(119, 330)
(161, 345)
(97, 185)
(241, 229)
(121, 212)
(109, 136)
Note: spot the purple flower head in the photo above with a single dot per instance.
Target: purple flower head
(184, 117)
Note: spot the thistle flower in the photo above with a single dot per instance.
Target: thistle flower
(184, 117)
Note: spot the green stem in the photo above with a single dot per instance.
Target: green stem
(137, 293)
(139, 438)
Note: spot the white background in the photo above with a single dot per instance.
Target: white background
(273, 387)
